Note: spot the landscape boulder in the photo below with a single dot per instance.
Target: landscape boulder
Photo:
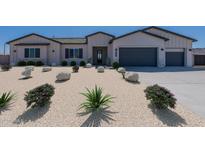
(29, 68)
(46, 69)
(26, 73)
(88, 65)
(100, 69)
(131, 76)
(63, 76)
(121, 70)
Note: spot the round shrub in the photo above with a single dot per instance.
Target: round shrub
(21, 63)
(115, 65)
(73, 63)
(5, 67)
(82, 63)
(30, 63)
(64, 63)
(75, 68)
(39, 63)
(39, 96)
(160, 97)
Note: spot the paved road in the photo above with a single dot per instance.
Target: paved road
(188, 84)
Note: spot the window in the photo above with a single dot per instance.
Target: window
(32, 52)
(115, 53)
(74, 53)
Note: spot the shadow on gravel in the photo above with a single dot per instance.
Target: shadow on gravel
(168, 117)
(32, 114)
(97, 117)
(6, 108)
(25, 78)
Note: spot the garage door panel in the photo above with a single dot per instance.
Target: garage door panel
(138, 56)
(174, 58)
(199, 60)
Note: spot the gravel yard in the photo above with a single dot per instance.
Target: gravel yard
(130, 107)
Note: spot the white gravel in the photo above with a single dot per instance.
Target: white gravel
(130, 107)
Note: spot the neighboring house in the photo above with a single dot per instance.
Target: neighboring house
(152, 46)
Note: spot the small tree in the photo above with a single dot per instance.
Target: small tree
(160, 97)
(39, 96)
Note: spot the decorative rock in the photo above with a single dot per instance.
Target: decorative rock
(63, 76)
(88, 65)
(29, 68)
(121, 70)
(100, 69)
(27, 73)
(46, 69)
(131, 76)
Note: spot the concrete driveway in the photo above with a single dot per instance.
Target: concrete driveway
(188, 84)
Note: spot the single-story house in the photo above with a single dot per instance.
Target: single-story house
(152, 46)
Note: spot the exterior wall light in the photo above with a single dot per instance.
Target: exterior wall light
(14, 51)
(162, 49)
(190, 49)
(53, 51)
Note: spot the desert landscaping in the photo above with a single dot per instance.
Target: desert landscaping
(130, 108)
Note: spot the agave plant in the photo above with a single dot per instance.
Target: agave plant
(95, 100)
(5, 98)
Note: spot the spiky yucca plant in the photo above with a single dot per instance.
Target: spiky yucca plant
(5, 98)
(95, 99)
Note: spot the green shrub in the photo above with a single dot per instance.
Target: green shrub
(82, 63)
(21, 63)
(115, 65)
(160, 97)
(30, 63)
(73, 63)
(5, 67)
(75, 68)
(5, 98)
(39, 96)
(39, 63)
(64, 63)
(95, 100)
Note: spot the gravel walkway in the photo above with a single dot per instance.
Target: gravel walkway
(130, 107)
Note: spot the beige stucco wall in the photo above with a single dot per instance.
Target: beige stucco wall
(140, 40)
(174, 40)
(83, 46)
(99, 40)
(47, 54)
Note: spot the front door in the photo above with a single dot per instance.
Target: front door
(99, 55)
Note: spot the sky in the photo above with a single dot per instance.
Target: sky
(8, 33)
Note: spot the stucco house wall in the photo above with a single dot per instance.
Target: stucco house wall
(140, 40)
(99, 40)
(85, 52)
(49, 54)
(176, 42)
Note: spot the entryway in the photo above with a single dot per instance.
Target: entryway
(99, 55)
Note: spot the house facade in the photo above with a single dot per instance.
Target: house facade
(152, 46)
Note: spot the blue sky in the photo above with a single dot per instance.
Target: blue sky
(11, 32)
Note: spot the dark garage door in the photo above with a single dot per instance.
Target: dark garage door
(174, 58)
(199, 60)
(138, 56)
